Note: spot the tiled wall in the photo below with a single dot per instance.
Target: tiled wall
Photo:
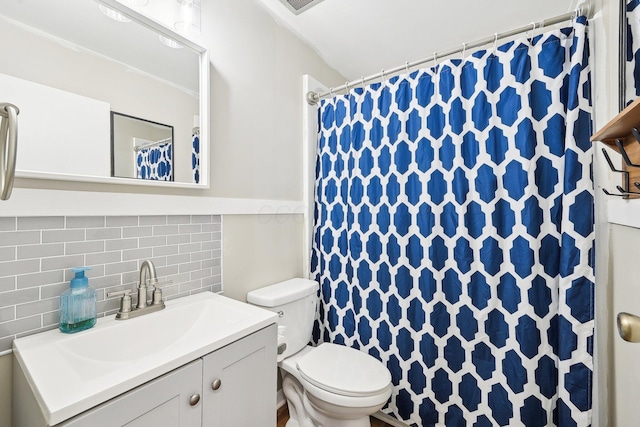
(36, 254)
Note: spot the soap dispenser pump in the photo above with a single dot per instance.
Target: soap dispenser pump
(78, 304)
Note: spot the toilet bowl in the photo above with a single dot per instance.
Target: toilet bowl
(329, 385)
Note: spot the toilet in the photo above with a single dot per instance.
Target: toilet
(329, 385)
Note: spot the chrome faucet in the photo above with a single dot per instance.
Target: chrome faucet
(143, 307)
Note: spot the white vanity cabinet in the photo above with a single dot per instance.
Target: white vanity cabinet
(234, 385)
(173, 400)
(240, 383)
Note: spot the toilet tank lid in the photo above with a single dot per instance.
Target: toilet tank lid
(282, 292)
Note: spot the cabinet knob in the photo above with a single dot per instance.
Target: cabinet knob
(194, 399)
(216, 384)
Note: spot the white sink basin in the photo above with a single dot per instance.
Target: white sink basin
(72, 373)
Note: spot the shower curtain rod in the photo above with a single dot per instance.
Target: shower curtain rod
(151, 144)
(583, 9)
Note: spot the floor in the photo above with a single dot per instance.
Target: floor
(283, 417)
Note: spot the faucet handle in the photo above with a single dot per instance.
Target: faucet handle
(157, 292)
(125, 301)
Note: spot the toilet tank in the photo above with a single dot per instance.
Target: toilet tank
(295, 301)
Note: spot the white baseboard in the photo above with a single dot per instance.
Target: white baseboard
(280, 399)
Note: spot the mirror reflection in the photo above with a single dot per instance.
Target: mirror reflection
(69, 66)
(141, 149)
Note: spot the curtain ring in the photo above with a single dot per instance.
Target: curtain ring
(384, 79)
(533, 29)
(464, 49)
(435, 59)
(495, 42)
(406, 65)
(362, 80)
(331, 92)
(346, 87)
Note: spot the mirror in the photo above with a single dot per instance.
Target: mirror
(141, 149)
(68, 67)
(629, 52)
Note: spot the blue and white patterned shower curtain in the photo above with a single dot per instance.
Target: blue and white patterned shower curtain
(454, 234)
(195, 157)
(155, 163)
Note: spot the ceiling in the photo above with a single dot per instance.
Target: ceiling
(362, 37)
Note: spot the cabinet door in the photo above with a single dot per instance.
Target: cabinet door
(239, 387)
(163, 402)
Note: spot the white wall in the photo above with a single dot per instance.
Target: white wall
(41, 60)
(256, 150)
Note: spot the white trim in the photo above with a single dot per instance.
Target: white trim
(280, 399)
(36, 202)
(624, 212)
(309, 148)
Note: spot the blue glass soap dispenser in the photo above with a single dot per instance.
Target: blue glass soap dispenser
(78, 304)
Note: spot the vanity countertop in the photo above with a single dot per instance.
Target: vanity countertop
(70, 373)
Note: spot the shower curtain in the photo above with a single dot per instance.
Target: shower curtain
(454, 234)
(155, 163)
(195, 157)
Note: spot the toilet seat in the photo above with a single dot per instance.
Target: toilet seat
(344, 371)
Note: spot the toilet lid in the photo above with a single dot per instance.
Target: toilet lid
(343, 370)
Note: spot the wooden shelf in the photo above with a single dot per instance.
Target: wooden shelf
(619, 128)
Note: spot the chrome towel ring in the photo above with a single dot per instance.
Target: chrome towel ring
(8, 148)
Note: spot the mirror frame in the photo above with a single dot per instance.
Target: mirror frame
(204, 103)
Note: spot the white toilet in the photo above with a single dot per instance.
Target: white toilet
(329, 385)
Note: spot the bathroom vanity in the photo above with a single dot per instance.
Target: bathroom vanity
(206, 360)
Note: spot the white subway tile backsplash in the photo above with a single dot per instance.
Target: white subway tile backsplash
(165, 250)
(13, 238)
(7, 313)
(178, 219)
(7, 253)
(190, 247)
(178, 239)
(137, 231)
(40, 251)
(36, 254)
(201, 237)
(121, 267)
(103, 233)
(153, 220)
(84, 247)
(85, 222)
(136, 254)
(37, 307)
(62, 262)
(15, 327)
(12, 268)
(40, 223)
(178, 259)
(103, 258)
(54, 236)
(7, 283)
(165, 230)
(122, 221)
(190, 229)
(18, 297)
(116, 245)
(40, 279)
(201, 219)
(9, 224)
(152, 242)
